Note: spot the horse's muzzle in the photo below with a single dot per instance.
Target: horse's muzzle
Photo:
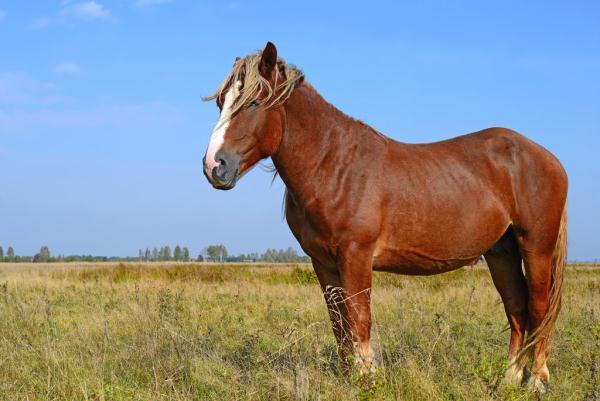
(224, 175)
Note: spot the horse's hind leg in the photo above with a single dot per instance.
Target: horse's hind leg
(504, 261)
(538, 269)
(544, 251)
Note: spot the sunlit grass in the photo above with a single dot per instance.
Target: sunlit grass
(258, 332)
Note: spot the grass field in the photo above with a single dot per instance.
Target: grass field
(208, 332)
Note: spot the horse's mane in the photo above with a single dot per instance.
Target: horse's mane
(246, 70)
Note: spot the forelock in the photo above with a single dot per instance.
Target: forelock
(246, 70)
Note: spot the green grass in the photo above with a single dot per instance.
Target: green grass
(257, 332)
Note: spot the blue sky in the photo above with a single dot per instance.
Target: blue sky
(102, 127)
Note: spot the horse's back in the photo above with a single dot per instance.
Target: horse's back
(496, 158)
(449, 201)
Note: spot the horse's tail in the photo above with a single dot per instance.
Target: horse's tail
(559, 261)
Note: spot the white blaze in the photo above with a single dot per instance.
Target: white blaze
(218, 136)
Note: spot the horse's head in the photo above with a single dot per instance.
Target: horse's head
(251, 122)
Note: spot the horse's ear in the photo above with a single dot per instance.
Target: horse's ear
(268, 60)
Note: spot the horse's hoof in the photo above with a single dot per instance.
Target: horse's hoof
(511, 381)
(364, 359)
(537, 385)
(514, 376)
(366, 367)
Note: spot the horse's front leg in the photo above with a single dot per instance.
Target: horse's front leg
(333, 291)
(355, 267)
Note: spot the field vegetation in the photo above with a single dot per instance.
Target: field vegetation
(175, 331)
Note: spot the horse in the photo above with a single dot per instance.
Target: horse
(358, 201)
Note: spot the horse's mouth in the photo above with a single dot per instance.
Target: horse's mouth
(226, 186)
(222, 185)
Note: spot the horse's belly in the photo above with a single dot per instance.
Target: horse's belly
(429, 238)
(417, 263)
(437, 251)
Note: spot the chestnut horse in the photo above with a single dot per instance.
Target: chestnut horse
(358, 201)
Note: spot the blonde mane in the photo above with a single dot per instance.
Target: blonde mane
(246, 70)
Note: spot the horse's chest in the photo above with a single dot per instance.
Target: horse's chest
(314, 229)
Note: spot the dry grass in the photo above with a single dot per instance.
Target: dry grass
(256, 332)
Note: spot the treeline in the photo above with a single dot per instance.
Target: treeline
(164, 254)
(9, 256)
(212, 253)
(220, 254)
(44, 256)
(288, 255)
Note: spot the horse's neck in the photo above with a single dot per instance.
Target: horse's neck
(316, 135)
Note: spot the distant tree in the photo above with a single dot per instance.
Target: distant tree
(200, 258)
(147, 254)
(43, 255)
(140, 255)
(166, 253)
(177, 254)
(155, 254)
(10, 253)
(290, 255)
(217, 253)
(269, 255)
(186, 254)
(1, 252)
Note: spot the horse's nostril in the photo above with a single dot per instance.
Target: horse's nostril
(218, 173)
(222, 162)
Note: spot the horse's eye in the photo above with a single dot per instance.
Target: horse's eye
(254, 103)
